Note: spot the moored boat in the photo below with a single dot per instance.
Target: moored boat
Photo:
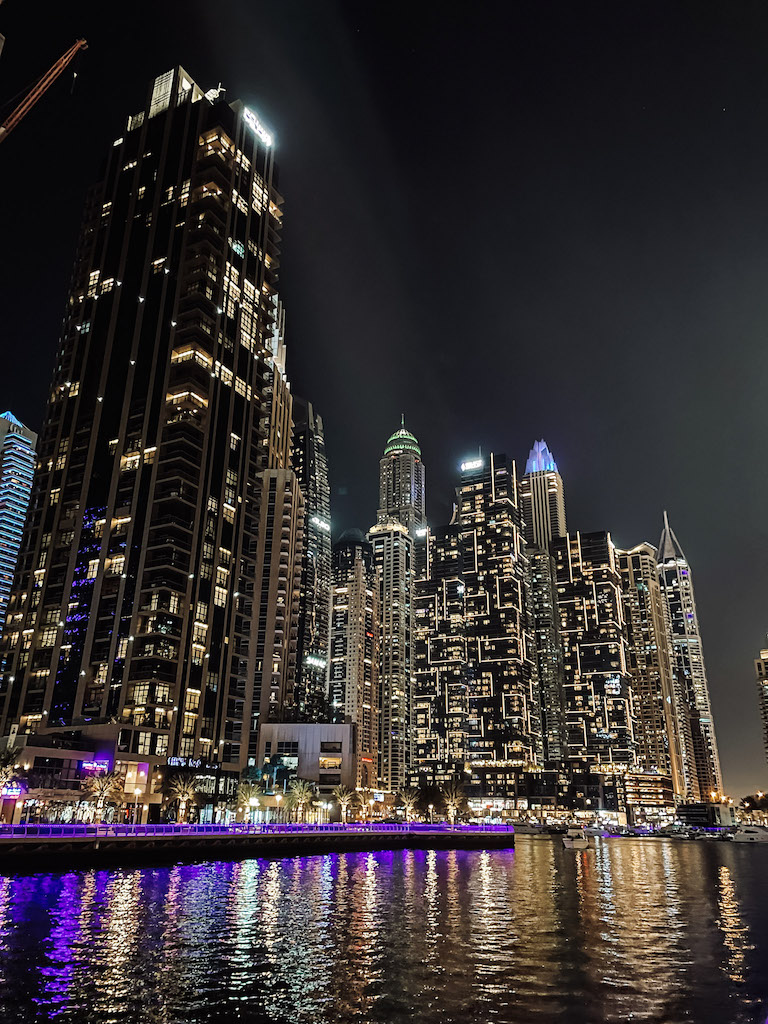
(749, 834)
(575, 839)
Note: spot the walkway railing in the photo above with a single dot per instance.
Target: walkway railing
(84, 831)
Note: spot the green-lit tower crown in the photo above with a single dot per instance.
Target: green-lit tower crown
(401, 482)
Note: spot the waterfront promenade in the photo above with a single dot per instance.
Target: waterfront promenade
(35, 846)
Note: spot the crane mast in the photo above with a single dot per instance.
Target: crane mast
(40, 88)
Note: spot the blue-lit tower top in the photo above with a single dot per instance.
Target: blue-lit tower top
(542, 499)
(540, 459)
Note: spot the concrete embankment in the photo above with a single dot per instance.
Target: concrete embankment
(57, 848)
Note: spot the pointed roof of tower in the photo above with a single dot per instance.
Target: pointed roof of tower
(402, 441)
(11, 419)
(540, 459)
(669, 545)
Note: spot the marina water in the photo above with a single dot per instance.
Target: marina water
(628, 930)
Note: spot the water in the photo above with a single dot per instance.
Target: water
(630, 930)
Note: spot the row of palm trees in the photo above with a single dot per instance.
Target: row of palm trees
(107, 789)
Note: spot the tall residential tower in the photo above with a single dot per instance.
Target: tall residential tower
(311, 467)
(542, 504)
(353, 665)
(157, 591)
(676, 583)
(17, 469)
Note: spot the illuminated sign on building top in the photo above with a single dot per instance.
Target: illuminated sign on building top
(473, 464)
(255, 124)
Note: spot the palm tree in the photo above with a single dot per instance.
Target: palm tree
(453, 794)
(248, 792)
(409, 798)
(105, 788)
(344, 798)
(9, 761)
(182, 786)
(301, 794)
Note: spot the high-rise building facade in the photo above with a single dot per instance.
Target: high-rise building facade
(599, 713)
(311, 466)
(761, 674)
(542, 504)
(662, 737)
(164, 458)
(545, 619)
(353, 653)
(402, 489)
(17, 470)
(542, 498)
(393, 555)
(503, 729)
(441, 695)
(676, 582)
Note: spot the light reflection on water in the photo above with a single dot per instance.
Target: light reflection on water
(625, 931)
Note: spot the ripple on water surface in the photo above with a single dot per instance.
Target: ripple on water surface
(625, 931)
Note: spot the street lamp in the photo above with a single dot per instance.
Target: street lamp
(431, 808)
(370, 814)
(278, 798)
(253, 803)
(136, 795)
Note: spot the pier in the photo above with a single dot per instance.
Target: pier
(60, 847)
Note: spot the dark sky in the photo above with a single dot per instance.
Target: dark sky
(507, 220)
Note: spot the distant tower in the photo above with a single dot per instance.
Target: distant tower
(663, 730)
(393, 555)
(761, 671)
(542, 500)
(676, 584)
(353, 665)
(542, 503)
(311, 467)
(401, 483)
(17, 468)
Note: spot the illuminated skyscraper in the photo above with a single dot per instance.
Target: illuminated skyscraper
(761, 672)
(17, 469)
(542, 498)
(402, 492)
(503, 730)
(441, 696)
(663, 730)
(157, 598)
(676, 584)
(542, 504)
(311, 467)
(599, 715)
(393, 556)
(399, 545)
(353, 656)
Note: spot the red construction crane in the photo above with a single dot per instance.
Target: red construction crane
(37, 91)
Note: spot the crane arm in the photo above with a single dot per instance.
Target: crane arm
(40, 88)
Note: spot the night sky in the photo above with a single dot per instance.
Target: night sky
(506, 220)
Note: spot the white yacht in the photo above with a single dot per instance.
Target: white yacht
(750, 834)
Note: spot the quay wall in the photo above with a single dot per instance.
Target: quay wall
(32, 848)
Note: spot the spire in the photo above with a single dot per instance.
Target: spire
(402, 419)
(669, 545)
(540, 459)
